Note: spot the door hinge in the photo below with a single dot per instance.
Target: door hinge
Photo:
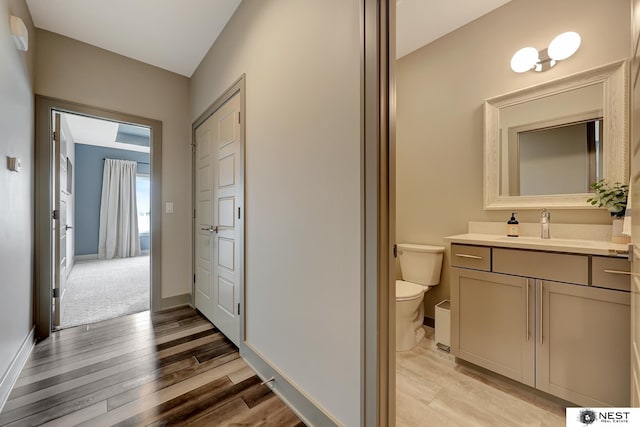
(194, 278)
(395, 251)
(56, 292)
(194, 214)
(193, 148)
(238, 213)
(238, 308)
(239, 117)
(53, 135)
(55, 214)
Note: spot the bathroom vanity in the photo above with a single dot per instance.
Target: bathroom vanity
(552, 314)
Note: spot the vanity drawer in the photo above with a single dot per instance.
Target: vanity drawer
(612, 273)
(542, 265)
(468, 256)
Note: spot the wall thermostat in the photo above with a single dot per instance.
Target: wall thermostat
(14, 164)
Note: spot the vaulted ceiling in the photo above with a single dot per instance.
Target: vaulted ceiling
(176, 34)
(419, 22)
(170, 34)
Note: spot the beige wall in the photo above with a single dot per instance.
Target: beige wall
(75, 71)
(303, 254)
(16, 189)
(441, 88)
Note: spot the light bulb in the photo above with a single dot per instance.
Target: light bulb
(564, 45)
(524, 59)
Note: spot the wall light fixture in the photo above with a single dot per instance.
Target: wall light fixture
(19, 33)
(561, 47)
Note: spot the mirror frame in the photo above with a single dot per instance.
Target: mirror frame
(615, 81)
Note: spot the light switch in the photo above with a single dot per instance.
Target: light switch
(14, 164)
(168, 207)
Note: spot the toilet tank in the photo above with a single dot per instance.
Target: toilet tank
(420, 263)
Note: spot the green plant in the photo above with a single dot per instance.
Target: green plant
(610, 196)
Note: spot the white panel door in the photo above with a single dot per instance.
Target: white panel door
(204, 219)
(218, 215)
(59, 221)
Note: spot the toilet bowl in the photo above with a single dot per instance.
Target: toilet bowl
(409, 314)
(421, 266)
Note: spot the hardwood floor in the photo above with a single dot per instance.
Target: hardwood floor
(432, 390)
(168, 368)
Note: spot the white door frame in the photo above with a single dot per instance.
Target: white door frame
(59, 223)
(238, 87)
(44, 202)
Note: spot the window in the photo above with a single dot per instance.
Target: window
(143, 196)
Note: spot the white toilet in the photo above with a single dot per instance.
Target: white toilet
(421, 265)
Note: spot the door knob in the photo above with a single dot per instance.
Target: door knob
(209, 228)
(67, 227)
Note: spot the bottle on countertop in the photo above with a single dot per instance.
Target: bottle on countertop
(544, 224)
(513, 227)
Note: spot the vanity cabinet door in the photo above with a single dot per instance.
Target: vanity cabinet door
(493, 323)
(582, 339)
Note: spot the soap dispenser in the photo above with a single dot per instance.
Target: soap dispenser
(513, 227)
(544, 224)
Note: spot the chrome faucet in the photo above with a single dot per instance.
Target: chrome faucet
(544, 224)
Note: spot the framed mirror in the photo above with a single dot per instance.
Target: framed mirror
(544, 145)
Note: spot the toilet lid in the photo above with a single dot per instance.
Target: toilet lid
(407, 290)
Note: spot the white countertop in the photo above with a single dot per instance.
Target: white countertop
(590, 247)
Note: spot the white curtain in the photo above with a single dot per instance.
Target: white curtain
(118, 236)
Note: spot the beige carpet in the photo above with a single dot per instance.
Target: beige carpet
(104, 289)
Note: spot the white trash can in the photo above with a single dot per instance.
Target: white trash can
(443, 325)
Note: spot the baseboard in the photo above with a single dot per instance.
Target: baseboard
(95, 256)
(85, 257)
(311, 413)
(13, 372)
(428, 321)
(174, 301)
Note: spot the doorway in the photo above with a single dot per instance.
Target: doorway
(102, 245)
(77, 276)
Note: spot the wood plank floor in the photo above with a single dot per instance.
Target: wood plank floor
(433, 390)
(168, 368)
